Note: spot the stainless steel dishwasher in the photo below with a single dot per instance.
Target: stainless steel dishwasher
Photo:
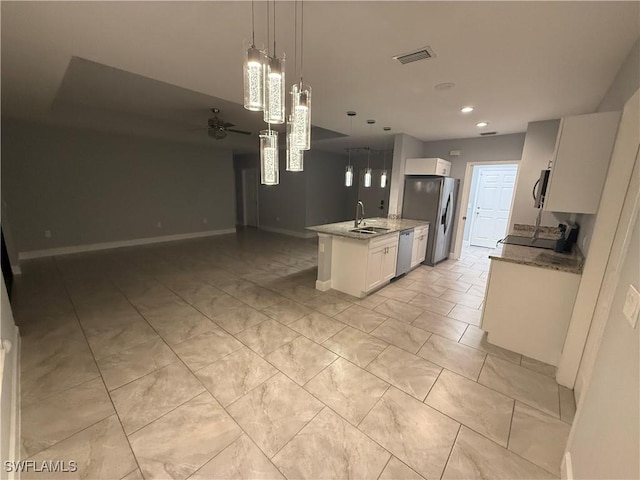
(405, 247)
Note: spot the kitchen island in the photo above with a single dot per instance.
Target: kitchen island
(360, 259)
(529, 299)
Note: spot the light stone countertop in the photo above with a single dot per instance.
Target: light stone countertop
(539, 257)
(343, 229)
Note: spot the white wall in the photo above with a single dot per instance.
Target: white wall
(404, 146)
(88, 187)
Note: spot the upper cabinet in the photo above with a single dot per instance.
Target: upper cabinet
(580, 162)
(427, 166)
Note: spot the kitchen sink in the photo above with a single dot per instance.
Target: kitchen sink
(369, 230)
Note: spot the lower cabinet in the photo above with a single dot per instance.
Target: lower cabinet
(527, 309)
(419, 250)
(360, 266)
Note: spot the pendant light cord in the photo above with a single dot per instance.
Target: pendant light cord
(295, 39)
(301, 40)
(274, 28)
(268, 28)
(253, 24)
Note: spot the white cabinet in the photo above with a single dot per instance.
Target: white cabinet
(360, 266)
(419, 250)
(527, 309)
(580, 162)
(427, 166)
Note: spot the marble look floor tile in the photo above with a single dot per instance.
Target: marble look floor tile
(299, 293)
(433, 304)
(567, 404)
(107, 339)
(453, 356)
(135, 475)
(401, 335)
(101, 451)
(397, 293)
(443, 326)
(58, 416)
(414, 432)
(203, 350)
(426, 288)
(301, 359)
(452, 284)
(328, 304)
(242, 460)
(409, 373)
(361, 318)
(466, 314)
(50, 340)
(144, 400)
(347, 389)
(179, 323)
(476, 338)
(479, 408)
(135, 362)
(371, 301)
(474, 456)
(287, 311)
(238, 319)
(540, 367)
(272, 413)
(257, 297)
(179, 443)
(216, 305)
(57, 373)
(538, 437)
(399, 310)
(473, 279)
(317, 326)
(197, 292)
(396, 470)
(265, 337)
(467, 299)
(356, 346)
(231, 377)
(525, 385)
(477, 290)
(328, 447)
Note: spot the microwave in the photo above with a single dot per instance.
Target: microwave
(540, 188)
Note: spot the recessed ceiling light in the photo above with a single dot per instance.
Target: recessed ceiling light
(466, 109)
(482, 124)
(445, 86)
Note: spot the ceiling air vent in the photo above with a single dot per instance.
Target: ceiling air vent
(420, 54)
(488, 133)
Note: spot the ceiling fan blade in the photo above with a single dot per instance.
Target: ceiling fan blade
(243, 132)
(196, 129)
(229, 125)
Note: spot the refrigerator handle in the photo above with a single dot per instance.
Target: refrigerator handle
(445, 215)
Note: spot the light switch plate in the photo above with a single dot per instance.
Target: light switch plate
(631, 307)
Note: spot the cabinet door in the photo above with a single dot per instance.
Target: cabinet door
(389, 262)
(374, 267)
(422, 247)
(419, 251)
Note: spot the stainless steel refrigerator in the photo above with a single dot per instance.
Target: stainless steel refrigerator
(433, 199)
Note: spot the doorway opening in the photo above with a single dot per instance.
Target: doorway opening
(249, 180)
(488, 204)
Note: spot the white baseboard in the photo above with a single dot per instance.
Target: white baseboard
(291, 233)
(566, 467)
(323, 286)
(121, 243)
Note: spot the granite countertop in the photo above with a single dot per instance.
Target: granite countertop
(343, 229)
(539, 257)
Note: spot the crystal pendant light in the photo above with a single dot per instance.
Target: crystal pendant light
(383, 175)
(254, 73)
(301, 115)
(348, 173)
(367, 177)
(274, 82)
(269, 167)
(295, 156)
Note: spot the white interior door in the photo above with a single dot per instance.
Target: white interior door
(250, 197)
(492, 204)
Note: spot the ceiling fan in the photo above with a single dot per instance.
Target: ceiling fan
(218, 128)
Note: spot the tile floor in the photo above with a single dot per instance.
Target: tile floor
(216, 359)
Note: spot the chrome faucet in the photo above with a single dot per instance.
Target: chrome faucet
(358, 221)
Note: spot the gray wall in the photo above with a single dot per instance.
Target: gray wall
(404, 146)
(88, 187)
(625, 84)
(477, 149)
(327, 198)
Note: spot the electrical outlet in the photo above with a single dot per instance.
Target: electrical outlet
(47, 234)
(159, 224)
(631, 307)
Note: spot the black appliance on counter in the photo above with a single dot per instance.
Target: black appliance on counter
(562, 244)
(569, 236)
